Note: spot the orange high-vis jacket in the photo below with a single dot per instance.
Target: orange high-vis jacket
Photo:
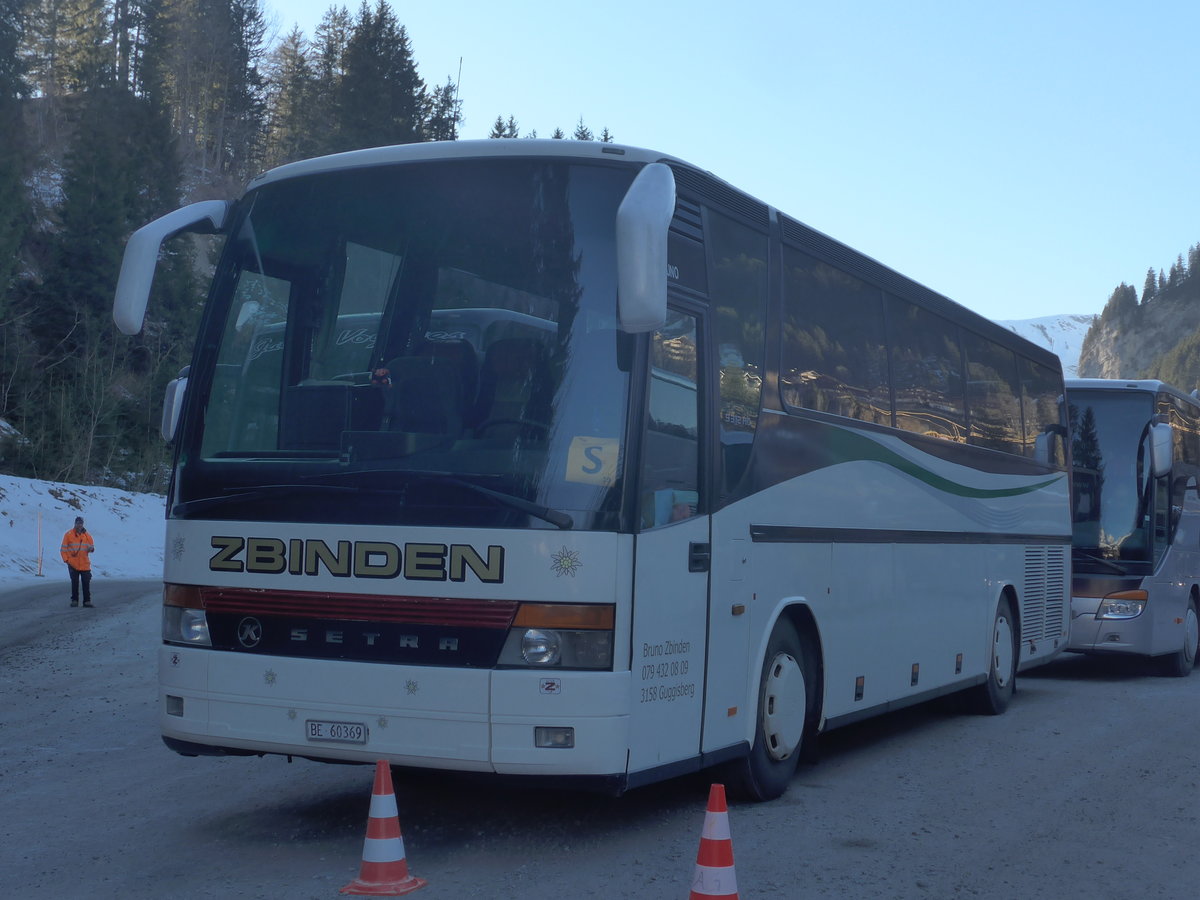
(76, 549)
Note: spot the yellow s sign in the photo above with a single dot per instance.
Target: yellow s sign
(593, 460)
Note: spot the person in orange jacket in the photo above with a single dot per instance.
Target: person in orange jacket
(77, 548)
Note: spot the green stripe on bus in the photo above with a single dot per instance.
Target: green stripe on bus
(851, 447)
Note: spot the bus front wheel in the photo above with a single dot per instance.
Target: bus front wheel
(1180, 663)
(785, 699)
(993, 696)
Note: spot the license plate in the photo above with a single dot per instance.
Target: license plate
(335, 732)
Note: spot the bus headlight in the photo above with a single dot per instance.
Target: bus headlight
(561, 636)
(1122, 605)
(185, 626)
(183, 619)
(541, 648)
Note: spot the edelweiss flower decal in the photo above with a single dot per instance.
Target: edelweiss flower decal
(565, 562)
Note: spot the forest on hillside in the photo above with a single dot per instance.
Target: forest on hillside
(1154, 334)
(114, 112)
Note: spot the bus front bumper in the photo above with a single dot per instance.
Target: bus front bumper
(427, 717)
(1089, 634)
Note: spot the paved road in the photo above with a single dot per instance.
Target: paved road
(1086, 788)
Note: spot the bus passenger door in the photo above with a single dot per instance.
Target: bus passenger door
(671, 564)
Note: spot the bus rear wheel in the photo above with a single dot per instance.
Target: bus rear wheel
(993, 696)
(786, 698)
(1180, 663)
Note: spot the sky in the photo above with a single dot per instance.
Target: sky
(127, 530)
(1023, 158)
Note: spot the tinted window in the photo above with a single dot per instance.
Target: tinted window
(1042, 408)
(670, 473)
(926, 372)
(739, 297)
(993, 395)
(834, 352)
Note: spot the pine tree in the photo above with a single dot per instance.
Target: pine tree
(1122, 303)
(203, 67)
(382, 99)
(445, 113)
(116, 177)
(606, 136)
(292, 122)
(1178, 272)
(502, 129)
(14, 204)
(1150, 288)
(64, 48)
(582, 132)
(327, 53)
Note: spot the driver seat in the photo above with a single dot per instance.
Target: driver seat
(513, 387)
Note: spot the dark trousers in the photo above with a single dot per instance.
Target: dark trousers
(86, 578)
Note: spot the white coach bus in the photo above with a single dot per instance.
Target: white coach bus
(568, 459)
(1136, 550)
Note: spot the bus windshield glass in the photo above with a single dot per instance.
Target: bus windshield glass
(429, 343)
(1113, 484)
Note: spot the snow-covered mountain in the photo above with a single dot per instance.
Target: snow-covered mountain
(1062, 335)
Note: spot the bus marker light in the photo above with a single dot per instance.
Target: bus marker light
(558, 737)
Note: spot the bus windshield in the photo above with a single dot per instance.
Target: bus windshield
(1113, 485)
(437, 340)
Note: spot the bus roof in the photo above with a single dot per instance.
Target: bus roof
(1148, 385)
(522, 148)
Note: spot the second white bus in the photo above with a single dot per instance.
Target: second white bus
(1136, 551)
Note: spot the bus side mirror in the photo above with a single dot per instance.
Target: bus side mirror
(643, 219)
(141, 257)
(173, 403)
(1162, 457)
(1049, 447)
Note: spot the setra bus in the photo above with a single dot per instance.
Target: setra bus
(1136, 549)
(568, 459)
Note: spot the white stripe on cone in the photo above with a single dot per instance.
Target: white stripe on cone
(710, 882)
(384, 850)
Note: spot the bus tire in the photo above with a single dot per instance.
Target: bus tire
(786, 707)
(993, 696)
(1180, 663)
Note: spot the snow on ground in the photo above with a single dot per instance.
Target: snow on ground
(126, 528)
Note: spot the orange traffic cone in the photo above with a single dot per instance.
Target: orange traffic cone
(384, 871)
(714, 862)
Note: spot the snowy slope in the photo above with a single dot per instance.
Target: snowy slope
(1062, 335)
(126, 528)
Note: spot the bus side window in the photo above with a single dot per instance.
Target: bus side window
(738, 286)
(671, 465)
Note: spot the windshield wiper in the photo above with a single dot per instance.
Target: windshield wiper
(555, 517)
(1091, 557)
(258, 492)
